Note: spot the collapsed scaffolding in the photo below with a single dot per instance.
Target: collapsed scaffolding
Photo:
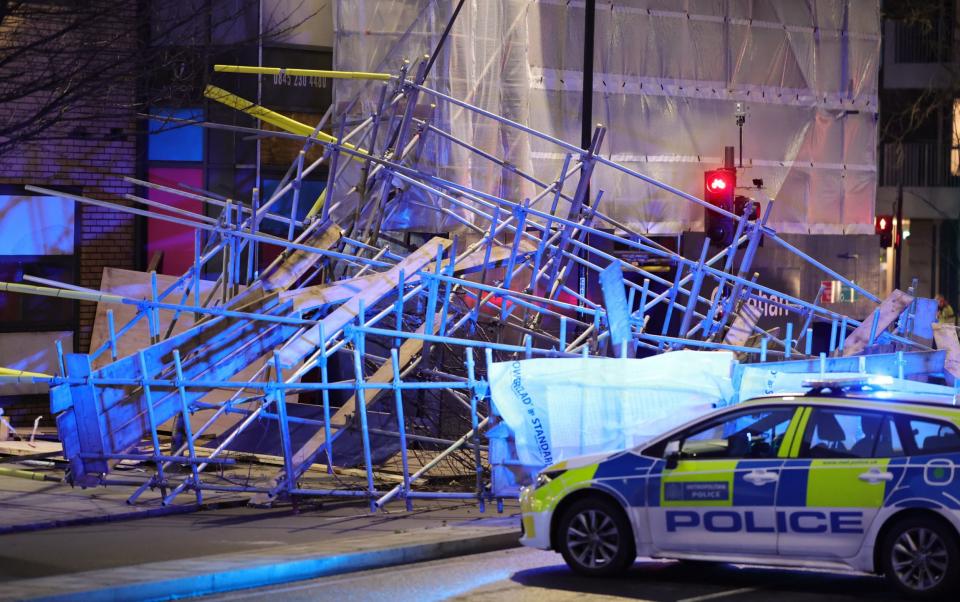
(412, 319)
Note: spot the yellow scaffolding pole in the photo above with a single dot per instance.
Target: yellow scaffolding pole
(264, 114)
(281, 121)
(302, 72)
(24, 373)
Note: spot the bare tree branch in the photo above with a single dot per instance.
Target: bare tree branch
(65, 64)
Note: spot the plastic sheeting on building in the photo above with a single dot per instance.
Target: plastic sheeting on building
(561, 408)
(668, 74)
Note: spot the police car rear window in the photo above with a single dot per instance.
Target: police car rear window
(925, 436)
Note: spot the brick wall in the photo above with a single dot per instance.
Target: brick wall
(92, 144)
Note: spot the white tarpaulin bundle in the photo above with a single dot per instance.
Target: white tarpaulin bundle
(560, 408)
(667, 76)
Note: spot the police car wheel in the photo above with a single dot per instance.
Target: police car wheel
(595, 538)
(921, 557)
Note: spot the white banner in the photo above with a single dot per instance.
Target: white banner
(560, 408)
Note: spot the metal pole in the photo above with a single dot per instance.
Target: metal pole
(898, 240)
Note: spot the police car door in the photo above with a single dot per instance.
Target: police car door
(835, 483)
(717, 488)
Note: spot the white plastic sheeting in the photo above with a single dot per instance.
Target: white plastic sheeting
(484, 63)
(668, 73)
(561, 408)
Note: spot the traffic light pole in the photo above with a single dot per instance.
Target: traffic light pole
(586, 119)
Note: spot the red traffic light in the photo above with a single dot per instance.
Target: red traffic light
(883, 227)
(718, 184)
(883, 223)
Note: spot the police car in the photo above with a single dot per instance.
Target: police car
(845, 476)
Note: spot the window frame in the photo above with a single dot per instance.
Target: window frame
(656, 449)
(72, 260)
(803, 451)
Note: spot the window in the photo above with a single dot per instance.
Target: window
(930, 436)
(888, 440)
(173, 141)
(310, 191)
(753, 433)
(39, 236)
(849, 434)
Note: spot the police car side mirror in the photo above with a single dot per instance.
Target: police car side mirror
(671, 453)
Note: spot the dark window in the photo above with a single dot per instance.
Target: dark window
(21, 312)
(751, 433)
(924, 436)
(835, 433)
(38, 236)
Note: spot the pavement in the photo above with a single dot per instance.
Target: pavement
(45, 501)
(104, 549)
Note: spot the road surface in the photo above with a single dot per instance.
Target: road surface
(524, 574)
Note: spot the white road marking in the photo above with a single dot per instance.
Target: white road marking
(715, 595)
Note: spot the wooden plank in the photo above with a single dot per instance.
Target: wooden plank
(136, 285)
(251, 342)
(922, 321)
(739, 332)
(945, 336)
(312, 297)
(323, 468)
(304, 457)
(889, 310)
(379, 287)
(299, 262)
(499, 256)
(116, 419)
(111, 419)
(26, 448)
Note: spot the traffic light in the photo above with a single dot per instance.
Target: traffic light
(742, 203)
(718, 190)
(883, 227)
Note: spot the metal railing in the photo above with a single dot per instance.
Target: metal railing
(924, 164)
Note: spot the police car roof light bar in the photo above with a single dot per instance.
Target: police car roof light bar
(840, 385)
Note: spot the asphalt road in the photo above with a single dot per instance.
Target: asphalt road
(524, 574)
